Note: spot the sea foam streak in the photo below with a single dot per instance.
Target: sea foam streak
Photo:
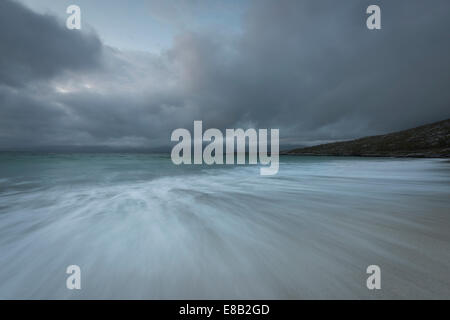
(140, 227)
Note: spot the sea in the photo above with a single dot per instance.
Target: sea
(140, 227)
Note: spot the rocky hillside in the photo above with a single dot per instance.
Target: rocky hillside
(429, 141)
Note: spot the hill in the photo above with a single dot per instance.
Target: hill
(428, 141)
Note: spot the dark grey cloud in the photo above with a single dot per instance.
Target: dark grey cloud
(314, 69)
(38, 46)
(310, 68)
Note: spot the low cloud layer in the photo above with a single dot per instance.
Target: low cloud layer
(310, 68)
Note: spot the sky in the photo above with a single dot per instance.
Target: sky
(137, 70)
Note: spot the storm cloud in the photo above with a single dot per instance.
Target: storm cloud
(36, 46)
(310, 68)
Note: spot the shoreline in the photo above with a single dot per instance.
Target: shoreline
(366, 155)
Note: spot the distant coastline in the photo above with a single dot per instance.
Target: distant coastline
(427, 141)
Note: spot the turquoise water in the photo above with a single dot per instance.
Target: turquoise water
(140, 227)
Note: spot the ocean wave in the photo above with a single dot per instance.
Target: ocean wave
(308, 232)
